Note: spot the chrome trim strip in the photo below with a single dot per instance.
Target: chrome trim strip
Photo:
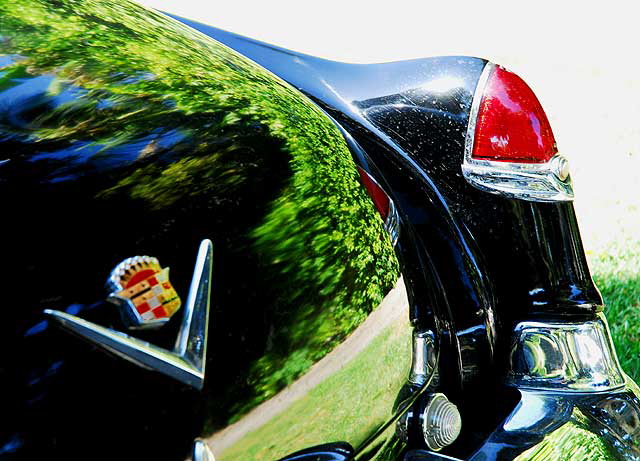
(392, 224)
(536, 182)
(201, 451)
(567, 356)
(424, 357)
(186, 362)
(475, 109)
(191, 342)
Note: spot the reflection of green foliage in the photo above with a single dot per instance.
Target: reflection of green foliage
(349, 407)
(572, 441)
(139, 76)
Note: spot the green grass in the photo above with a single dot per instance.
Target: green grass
(617, 274)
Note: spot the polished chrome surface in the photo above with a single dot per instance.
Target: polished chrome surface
(441, 422)
(424, 373)
(186, 362)
(536, 182)
(475, 109)
(560, 426)
(392, 223)
(575, 357)
(552, 425)
(424, 357)
(202, 452)
(560, 167)
(191, 343)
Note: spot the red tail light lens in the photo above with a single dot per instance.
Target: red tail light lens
(511, 124)
(378, 195)
(383, 204)
(509, 148)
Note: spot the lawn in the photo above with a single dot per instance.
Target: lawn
(608, 208)
(618, 277)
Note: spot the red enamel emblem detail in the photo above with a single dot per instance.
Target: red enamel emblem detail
(141, 287)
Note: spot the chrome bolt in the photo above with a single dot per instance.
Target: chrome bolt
(560, 167)
(441, 422)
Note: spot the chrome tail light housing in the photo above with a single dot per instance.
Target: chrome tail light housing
(509, 146)
(567, 356)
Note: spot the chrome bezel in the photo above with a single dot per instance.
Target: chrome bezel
(536, 182)
(441, 422)
(548, 356)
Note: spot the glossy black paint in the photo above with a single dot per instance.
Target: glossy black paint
(478, 263)
(327, 452)
(544, 425)
(474, 263)
(531, 252)
(422, 455)
(440, 258)
(122, 139)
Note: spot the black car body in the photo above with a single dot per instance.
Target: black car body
(348, 272)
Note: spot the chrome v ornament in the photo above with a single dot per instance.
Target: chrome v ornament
(186, 362)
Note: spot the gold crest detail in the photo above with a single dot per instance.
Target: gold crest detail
(142, 286)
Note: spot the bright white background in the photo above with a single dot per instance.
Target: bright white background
(580, 58)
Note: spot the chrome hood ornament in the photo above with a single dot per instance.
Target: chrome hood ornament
(186, 362)
(142, 290)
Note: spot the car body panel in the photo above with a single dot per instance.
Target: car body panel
(125, 133)
(556, 425)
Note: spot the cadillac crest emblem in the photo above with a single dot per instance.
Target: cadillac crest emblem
(142, 290)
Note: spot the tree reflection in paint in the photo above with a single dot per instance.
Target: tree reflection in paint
(159, 118)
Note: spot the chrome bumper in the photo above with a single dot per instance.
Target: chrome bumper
(575, 402)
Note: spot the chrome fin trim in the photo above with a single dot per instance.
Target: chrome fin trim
(201, 451)
(186, 362)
